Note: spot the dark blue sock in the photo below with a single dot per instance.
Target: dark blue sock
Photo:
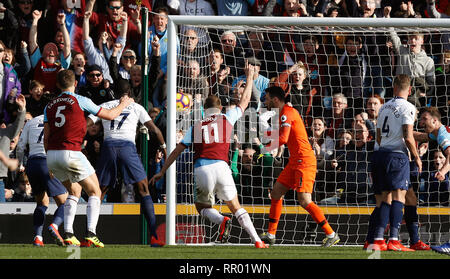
(395, 218)
(412, 223)
(372, 224)
(38, 219)
(149, 213)
(58, 216)
(382, 220)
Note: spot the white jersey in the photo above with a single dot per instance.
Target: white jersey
(33, 136)
(124, 126)
(391, 118)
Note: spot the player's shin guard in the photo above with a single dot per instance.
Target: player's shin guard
(70, 209)
(149, 214)
(246, 223)
(276, 207)
(382, 220)
(39, 219)
(372, 224)
(412, 223)
(93, 213)
(212, 215)
(395, 219)
(318, 216)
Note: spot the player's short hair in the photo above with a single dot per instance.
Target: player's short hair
(276, 91)
(402, 81)
(65, 79)
(433, 111)
(212, 102)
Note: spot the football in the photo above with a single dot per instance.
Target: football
(183, 102)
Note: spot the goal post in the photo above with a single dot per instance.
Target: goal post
(346, 217)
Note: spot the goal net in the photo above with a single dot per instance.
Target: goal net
(337, 73)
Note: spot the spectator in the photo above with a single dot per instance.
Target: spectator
(316, 8)
(20, 61)
(232, 53)
(156, 164)
(78, 67)
(261, 48)
(192, 49)
(443, 87)
(435, 192)
(9, 27)
(405, 9)
(96, 56)
(218, 77)
(121, 71)
(355, 169)
(37, 100)
(113, 21)
(46, 65)
(97, 88)
(232, 7)
(92, 142)
(22, 191)
(373, 106)
(434, 13)
(135, 83)
(414, 61)
(338, 118)
(364, 8)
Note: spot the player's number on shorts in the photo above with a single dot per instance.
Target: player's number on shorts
(124, 116)
(385, 128)
(206, 133)
(41, 134)
(60, 116)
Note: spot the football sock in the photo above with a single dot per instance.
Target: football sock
(38, 219)
(246, 223)
(383, 219)
(58, 216)
(70, 209)
(212, 215)
(149, 213)
(372, 223)
(276, 207)
(395, 219)
(93, 213)
(318, 216)
(412, 223)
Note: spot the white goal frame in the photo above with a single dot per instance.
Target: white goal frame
(174, 21)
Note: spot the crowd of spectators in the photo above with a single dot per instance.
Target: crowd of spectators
(336, 80)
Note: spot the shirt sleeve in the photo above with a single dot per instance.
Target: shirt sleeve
(187, 140)
(234, 114)
(87, 105)
(444, 139)
(409, 116)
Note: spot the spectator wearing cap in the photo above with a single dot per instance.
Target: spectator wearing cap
(260, 83)
(47, 65)
(97, 88)
(121, 71)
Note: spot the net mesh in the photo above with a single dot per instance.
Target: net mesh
(350, 67)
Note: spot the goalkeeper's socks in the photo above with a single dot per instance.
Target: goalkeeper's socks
(372, 223)
(382, 220)
(149, 213)
(70, 209)
(212, 215)
(246, 223)
(38, 219)
(58, 216)
(412, 223)
(276, 207)
(93, 213)
(395, 219)
(318, 216)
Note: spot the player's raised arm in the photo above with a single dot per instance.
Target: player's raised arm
(111, 114)
(411, 144)
(247, 94)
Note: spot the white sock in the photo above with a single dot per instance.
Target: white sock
(93, 213)
(70, 210)
(246, 223)
(212, 215)
(333, 234)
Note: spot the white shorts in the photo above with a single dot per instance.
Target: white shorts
(211, 180)
(69, 165)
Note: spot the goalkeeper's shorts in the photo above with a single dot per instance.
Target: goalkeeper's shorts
(298, 177)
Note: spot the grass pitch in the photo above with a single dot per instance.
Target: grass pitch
(51, 251)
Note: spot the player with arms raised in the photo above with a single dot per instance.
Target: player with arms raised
(391, 167)
(64, 130)
(210, 140)
(119, 153)
(430, 120)
(299, 174)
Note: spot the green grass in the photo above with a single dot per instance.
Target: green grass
(27, 251)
